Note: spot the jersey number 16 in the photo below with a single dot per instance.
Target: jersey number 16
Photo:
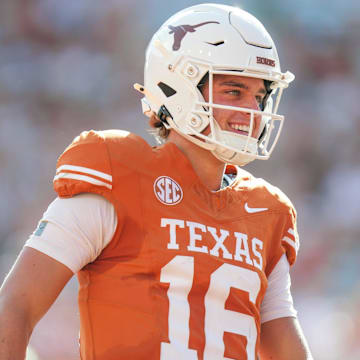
(179, 273)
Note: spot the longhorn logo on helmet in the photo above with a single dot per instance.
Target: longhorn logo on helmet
(181, 30)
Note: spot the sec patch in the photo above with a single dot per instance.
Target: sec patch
(167, 190)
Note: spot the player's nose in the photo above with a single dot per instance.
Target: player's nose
(250, 102)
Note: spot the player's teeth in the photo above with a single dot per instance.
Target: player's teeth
(240, 127)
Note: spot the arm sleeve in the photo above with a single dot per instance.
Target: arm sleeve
(75, 230)
(278, 301)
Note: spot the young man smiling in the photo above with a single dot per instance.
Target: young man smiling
(237, 91)
(172, 262)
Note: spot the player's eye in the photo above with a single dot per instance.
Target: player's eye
(234, 92)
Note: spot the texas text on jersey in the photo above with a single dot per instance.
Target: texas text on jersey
(187, 268)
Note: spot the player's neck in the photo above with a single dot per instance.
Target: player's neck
(207, 167)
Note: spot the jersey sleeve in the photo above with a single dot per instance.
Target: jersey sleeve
(84, 167)
(290, 237)
(284, 234)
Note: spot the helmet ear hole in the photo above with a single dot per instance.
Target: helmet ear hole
(166, 89)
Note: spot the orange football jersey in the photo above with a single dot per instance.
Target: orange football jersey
(186, 271)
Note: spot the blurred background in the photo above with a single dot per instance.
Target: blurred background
(68, 66)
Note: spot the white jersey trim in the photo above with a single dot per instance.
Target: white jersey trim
(85, 170)
(292, 242)
(85, 178)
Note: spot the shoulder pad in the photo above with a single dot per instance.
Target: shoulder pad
(125, 146)
(84, 166)
(269, 194)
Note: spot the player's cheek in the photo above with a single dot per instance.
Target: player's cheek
(224, 117)
(256, 129)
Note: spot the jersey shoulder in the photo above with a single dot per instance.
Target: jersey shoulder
(86, 165)
(275, 195)
(261, 195)
(286, 226)
(264, 193)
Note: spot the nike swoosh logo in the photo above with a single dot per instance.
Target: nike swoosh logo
(252, 210)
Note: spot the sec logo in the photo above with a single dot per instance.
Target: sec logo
(167, 190)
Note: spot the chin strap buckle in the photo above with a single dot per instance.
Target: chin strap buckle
(163, 114)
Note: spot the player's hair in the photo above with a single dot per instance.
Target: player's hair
(158, 129)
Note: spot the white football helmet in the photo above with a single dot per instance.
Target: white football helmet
(196, 44)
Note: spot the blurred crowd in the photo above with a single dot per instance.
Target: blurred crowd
(68, 66)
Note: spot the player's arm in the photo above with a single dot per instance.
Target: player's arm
(29, 290)
(283, 339)
(73, 232)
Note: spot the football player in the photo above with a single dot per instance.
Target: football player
(179, 252)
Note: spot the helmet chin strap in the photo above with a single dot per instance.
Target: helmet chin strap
(234, 158)
(234, 148)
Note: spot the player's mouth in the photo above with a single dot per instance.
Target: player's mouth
(240, 129)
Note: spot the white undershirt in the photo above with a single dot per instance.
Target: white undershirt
(76, 230)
